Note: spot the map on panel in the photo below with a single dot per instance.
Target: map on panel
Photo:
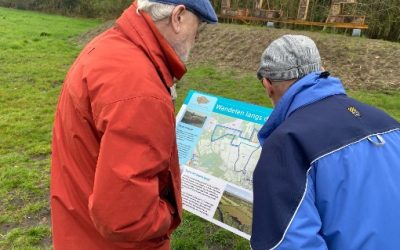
(228, 149)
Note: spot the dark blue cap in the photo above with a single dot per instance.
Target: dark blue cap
(201, 8)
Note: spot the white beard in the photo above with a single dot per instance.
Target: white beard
(181, 52)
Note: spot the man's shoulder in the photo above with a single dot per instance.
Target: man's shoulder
(113, 48)
(331, 123)
(114, 69)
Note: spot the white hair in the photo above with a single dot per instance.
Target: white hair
(157, 11)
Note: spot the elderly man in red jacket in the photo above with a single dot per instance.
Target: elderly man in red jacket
(115, 179)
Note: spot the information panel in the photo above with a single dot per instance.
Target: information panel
(218, 151)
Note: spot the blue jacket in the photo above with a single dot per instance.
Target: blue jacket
(329, 172)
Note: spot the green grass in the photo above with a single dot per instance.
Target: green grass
(36, 51)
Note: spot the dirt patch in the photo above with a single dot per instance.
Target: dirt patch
(360, 62)
(40, 217)
(87, 36)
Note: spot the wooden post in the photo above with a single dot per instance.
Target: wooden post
(303, 9)
(336, 11)
(260, 4)
(226, 4)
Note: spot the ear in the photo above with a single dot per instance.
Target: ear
(268, 87)
(176, 18)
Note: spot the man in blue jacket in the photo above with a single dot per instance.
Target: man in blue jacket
(329, 172)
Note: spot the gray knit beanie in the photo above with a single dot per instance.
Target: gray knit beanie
(289, 57)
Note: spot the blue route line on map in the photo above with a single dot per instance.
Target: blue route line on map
(237, 146)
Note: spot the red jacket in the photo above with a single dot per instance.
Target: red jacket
(115, 179)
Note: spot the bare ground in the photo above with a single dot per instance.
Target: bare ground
(360, 62)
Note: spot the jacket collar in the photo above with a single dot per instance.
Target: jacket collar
(309, 89)
(141, 30)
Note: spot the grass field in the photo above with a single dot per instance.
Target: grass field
(36, 51)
